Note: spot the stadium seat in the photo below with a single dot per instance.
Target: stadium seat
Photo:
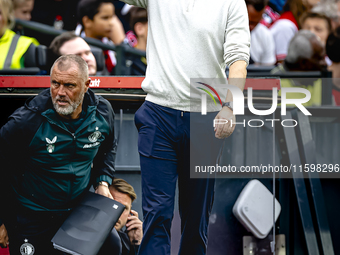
(35, 62)
(99, 56)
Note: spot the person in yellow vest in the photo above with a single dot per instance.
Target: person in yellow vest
(12, 46)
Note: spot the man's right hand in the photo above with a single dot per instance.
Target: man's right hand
(225, 130)
(3, 236)
(134, 227)
(104, 191)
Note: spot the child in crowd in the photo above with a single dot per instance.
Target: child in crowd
(23, 9)
(139, 26)
(13, 47)
(97, 20)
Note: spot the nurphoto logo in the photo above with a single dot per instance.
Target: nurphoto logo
(238, 104)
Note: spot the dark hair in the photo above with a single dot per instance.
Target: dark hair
(136, 15)
(297, 7)
(259, 5)
(313, 15)
(58, 41)
(89, 8)
(333, 45)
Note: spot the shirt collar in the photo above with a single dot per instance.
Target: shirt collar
(6, 35)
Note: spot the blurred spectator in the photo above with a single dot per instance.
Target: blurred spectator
(23, 9)
(288, 24)
(320, 25)
(333, 52)
(13, 47)
(305, 53)
(97, 20)
(139, 25)
(96, 11)
(277, 5)
(70, 43)
(262, 47)
(330, 9)
(317, 23)
(272, 12)
(269, 16)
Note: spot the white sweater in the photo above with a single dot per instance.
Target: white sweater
(191, 39)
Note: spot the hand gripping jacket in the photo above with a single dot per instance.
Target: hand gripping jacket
(46, 166)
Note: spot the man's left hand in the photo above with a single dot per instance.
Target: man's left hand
(104, 191)
(224, 130)
(134, 227)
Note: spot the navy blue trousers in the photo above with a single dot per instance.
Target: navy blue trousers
(164, 143)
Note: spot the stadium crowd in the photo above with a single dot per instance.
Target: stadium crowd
(273, 24)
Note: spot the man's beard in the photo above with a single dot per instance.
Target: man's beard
(70, 108)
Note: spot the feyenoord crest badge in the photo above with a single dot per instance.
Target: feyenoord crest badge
(94, 136)
(27, 248)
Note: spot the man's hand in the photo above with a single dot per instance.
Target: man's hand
(3, 236)
(224, 130)
(104, 191)
(134, 227)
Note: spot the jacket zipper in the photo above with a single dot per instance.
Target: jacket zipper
(74, 148)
